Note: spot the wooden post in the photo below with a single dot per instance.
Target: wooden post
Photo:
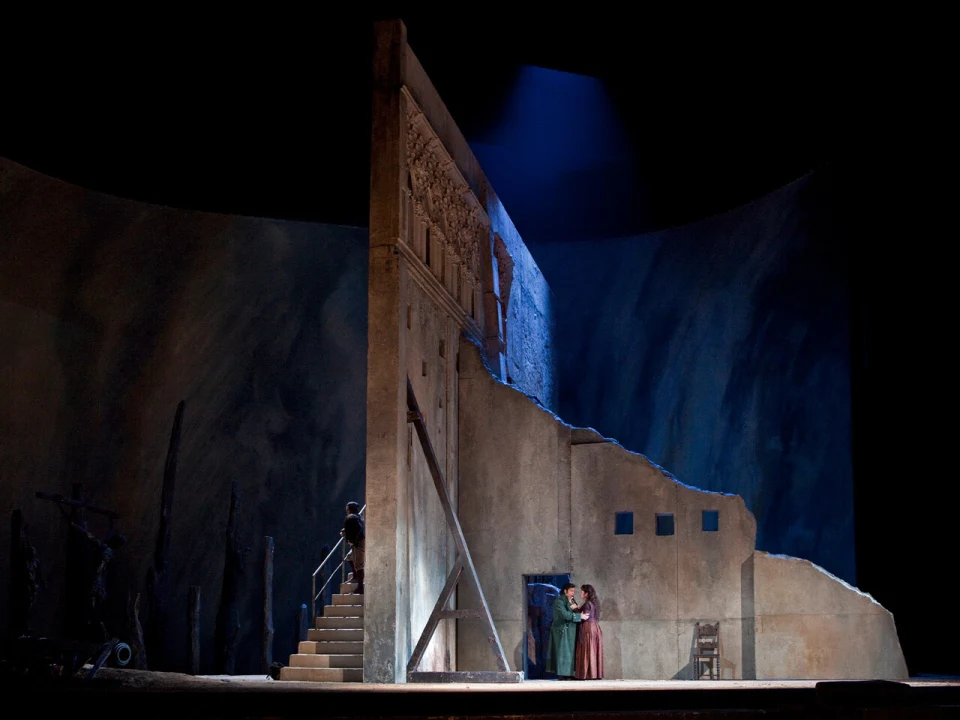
(76, 596)
(228, 620)
(301, 626)
(19, 582)
(136, 633)
(157, 580)
(267, 657)
(193, 618)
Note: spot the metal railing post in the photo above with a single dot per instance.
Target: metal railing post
(344, 554)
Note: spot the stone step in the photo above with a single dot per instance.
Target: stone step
(347, 599)
(327, 661)
(347, 588)
(343, 611)
(312, 674)
(353, 622)
(324, 635)
(331, 647)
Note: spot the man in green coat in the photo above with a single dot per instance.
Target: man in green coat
(563, 635)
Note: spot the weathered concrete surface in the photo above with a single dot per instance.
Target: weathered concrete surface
(429, 552)
(514, 503)
(810, 624)
(433, 278)
(649, 579)
(531, 502)
(113, 311)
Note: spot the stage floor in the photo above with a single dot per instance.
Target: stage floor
(166, 695)
(237, 682)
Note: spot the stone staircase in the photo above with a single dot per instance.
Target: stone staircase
(333, 651)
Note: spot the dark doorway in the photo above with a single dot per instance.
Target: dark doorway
(539, 593)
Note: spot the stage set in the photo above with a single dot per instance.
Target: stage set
(474, 487)
(474, 484)
(480, 503)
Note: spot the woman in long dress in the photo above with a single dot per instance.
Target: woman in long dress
(589, 652)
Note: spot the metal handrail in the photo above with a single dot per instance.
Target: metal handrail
(343, 558)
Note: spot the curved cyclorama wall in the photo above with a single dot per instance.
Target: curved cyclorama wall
(721, 350)
(111, 312)
(539, 497)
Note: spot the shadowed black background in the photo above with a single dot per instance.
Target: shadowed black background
(238, 117)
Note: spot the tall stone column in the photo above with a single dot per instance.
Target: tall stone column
(386, 370)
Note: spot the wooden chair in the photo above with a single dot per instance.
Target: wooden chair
(706, 651)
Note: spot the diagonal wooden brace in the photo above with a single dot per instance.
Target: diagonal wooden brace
(435, 616)
(464, 560)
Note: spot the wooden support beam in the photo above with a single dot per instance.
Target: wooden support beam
(469, 614)
(193, 625)
(268, 631)
(435, 616)
(227, 630)
(464, 559)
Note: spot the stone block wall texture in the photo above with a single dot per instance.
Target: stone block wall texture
(529, 322)
(540, 497)
(111, 312)
(721, 350)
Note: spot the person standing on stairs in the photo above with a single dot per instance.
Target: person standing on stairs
(354, 534)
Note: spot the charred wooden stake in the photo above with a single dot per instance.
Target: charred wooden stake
(25, 576)
(193, 619)
(267, 604)
(77, 570)
(157, 577)
(228, 620)
(136, 633)
(19, 616)
(301, 626)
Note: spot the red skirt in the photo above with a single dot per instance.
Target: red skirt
(589, 655)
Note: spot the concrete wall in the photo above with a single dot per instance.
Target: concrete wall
(656, 587)
(111, 312)
(810, 624)
(514, 504)
(431, 367)
(537, 496)
(433, 279)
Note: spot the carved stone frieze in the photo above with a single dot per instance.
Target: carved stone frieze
(441, 197)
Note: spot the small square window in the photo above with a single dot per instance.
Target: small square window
(623, 524)
(711, 521)
(664, 523)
